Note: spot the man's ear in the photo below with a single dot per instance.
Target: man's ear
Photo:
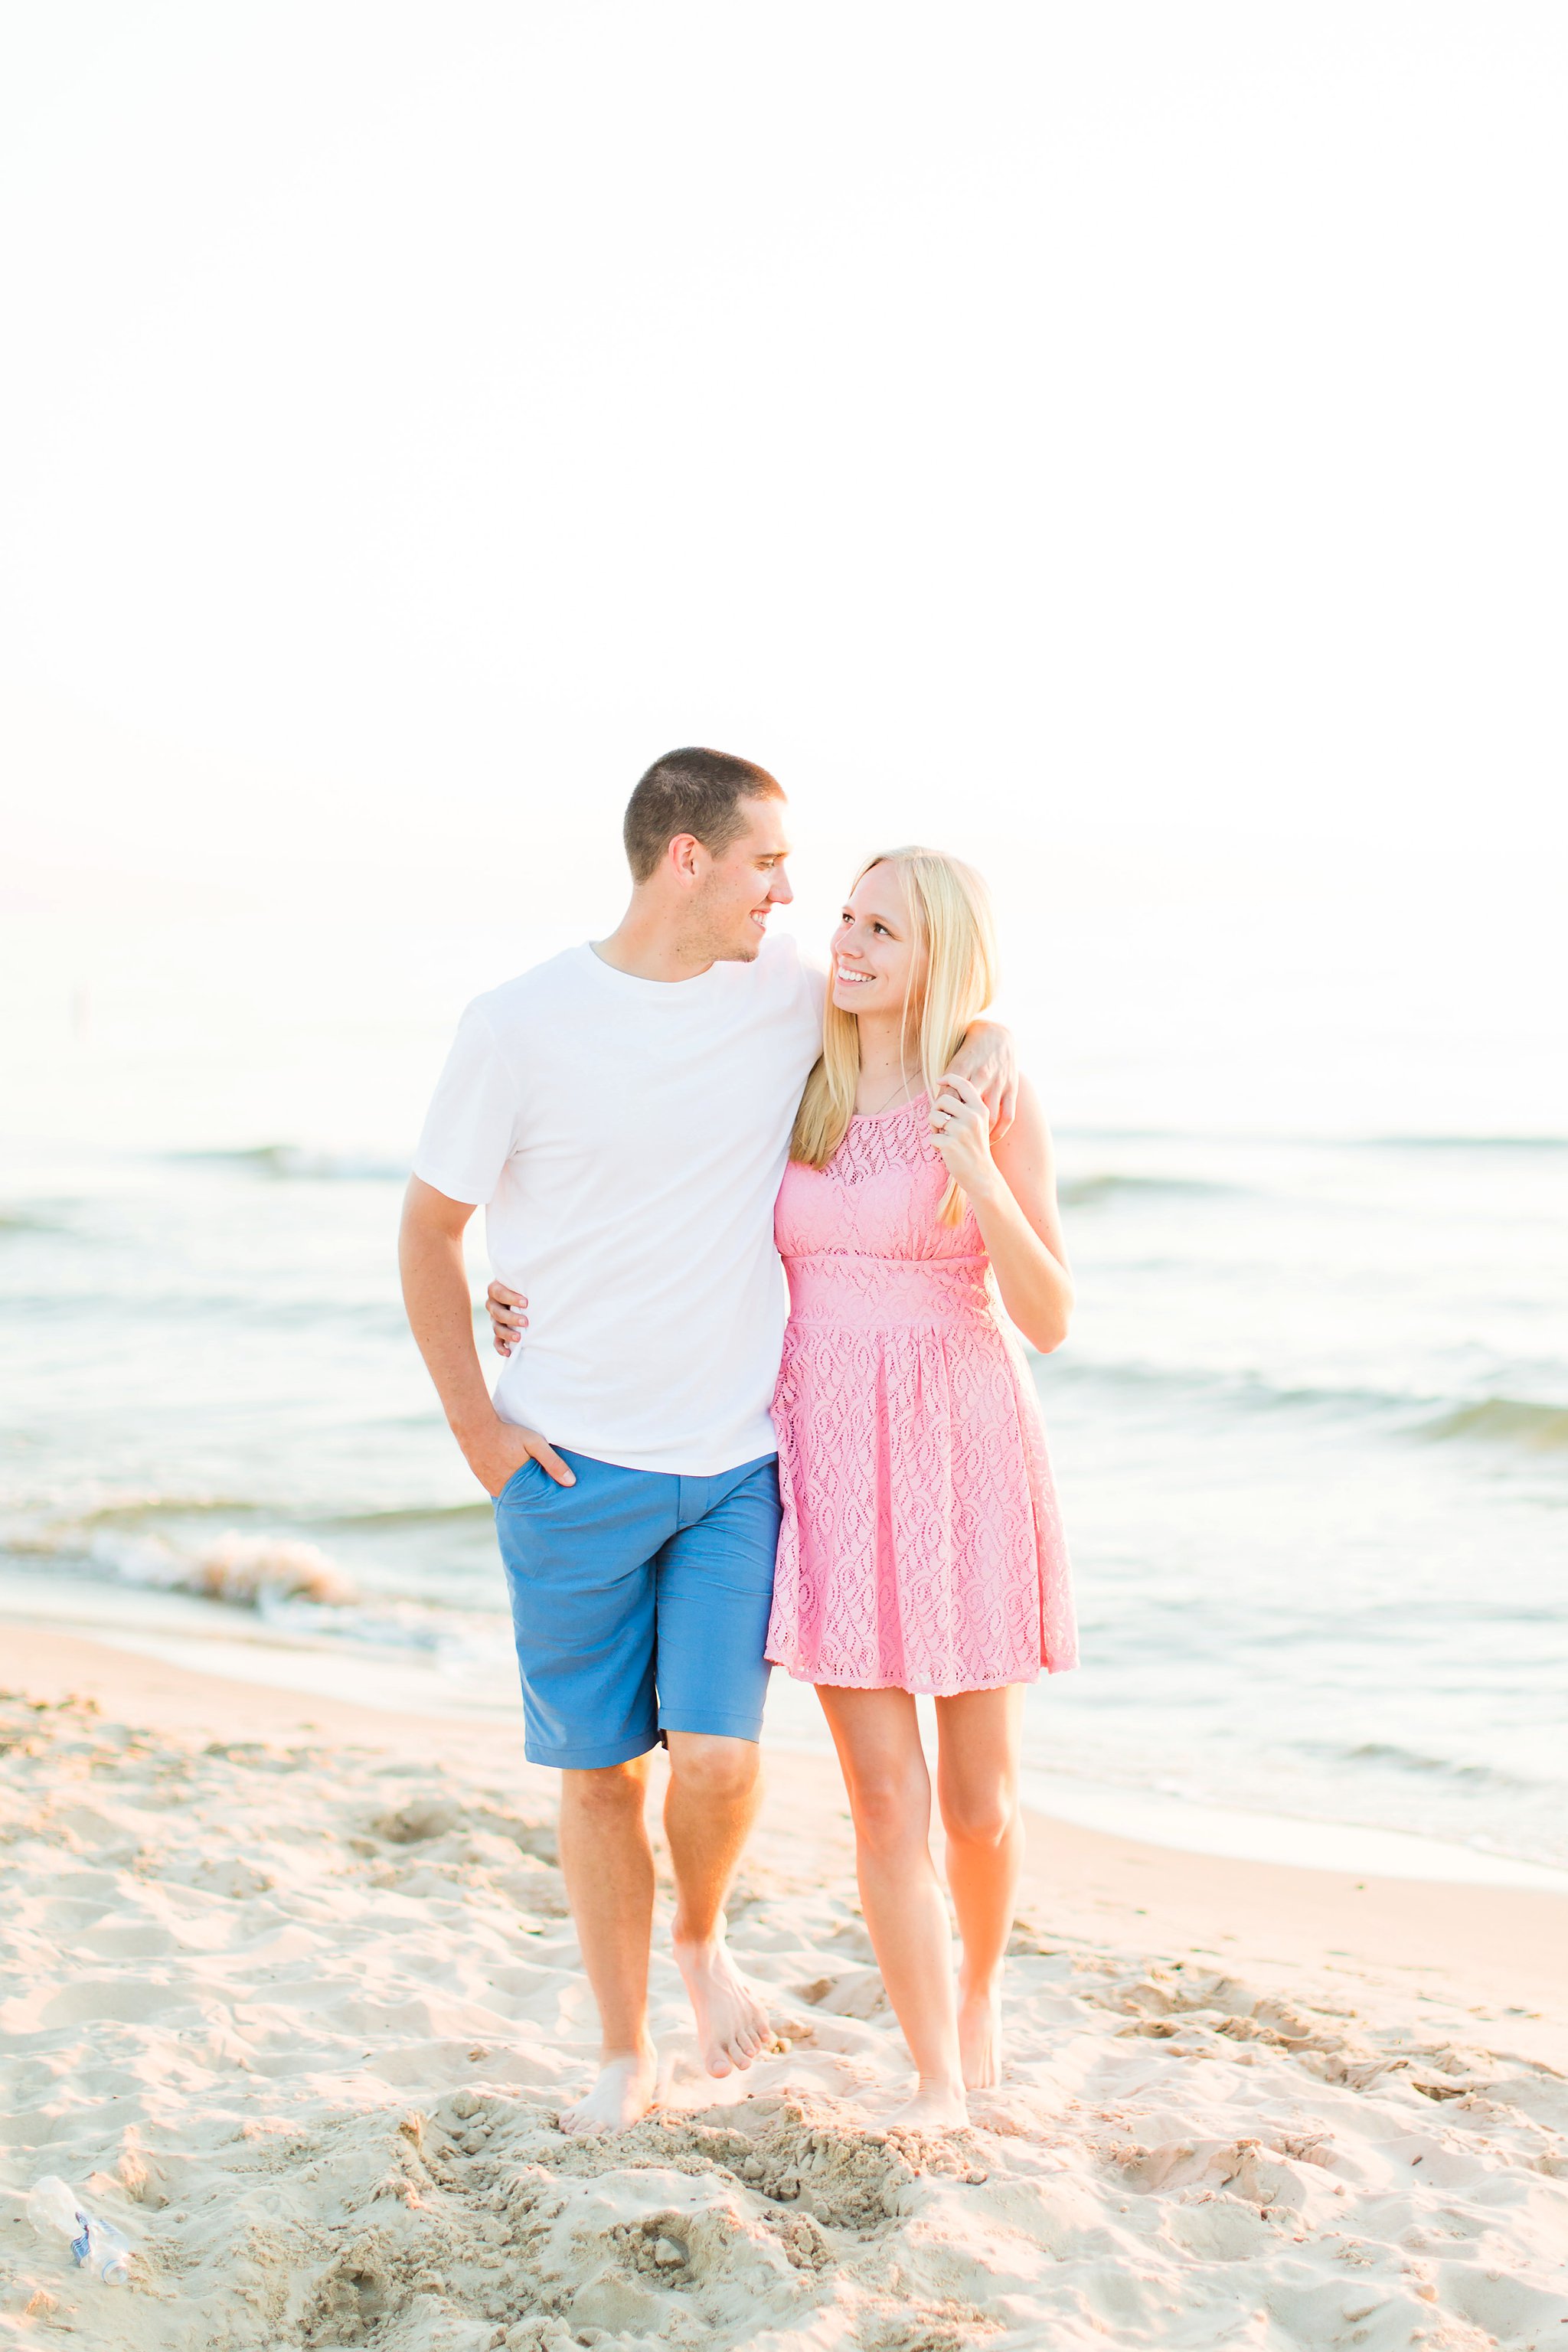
(684, 854)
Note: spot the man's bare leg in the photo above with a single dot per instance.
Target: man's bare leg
(715, 1789)
(607, 1863)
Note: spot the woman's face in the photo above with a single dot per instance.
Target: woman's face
(875, 967)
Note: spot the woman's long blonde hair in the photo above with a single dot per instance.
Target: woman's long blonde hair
(954, 978)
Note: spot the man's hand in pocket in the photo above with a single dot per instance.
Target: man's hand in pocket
(499, 1453)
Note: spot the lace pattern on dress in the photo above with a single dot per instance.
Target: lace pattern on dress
(922, 1546)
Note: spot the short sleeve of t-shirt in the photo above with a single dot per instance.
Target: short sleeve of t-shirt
(814, 978)
(470, 1129)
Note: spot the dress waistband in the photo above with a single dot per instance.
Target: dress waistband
(845, 1287)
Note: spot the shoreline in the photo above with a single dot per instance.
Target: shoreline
(1500, 1947)
(202, 1637)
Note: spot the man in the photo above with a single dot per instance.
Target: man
(624, 1112)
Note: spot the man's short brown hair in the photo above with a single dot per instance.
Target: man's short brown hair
(695, 792)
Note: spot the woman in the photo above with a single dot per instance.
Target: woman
(920, 1549)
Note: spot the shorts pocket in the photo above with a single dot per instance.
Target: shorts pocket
(512, 1490)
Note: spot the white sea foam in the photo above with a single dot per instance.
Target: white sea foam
(248, 1571)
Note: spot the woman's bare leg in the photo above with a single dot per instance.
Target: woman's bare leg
(877, 1737)
(977, 1788)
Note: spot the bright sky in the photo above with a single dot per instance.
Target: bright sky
(1120, 430)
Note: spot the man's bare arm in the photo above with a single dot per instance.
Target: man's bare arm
(989, 1060)
(436, 1294)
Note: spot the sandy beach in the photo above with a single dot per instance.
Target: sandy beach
(291, 1996)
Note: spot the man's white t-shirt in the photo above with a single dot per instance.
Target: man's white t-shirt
(628, 1138)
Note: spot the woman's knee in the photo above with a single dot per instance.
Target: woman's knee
(891, 1810)
(982, 1818)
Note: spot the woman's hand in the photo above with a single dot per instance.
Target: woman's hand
(961, 1128)
(1012, 1188)
(507, 1321)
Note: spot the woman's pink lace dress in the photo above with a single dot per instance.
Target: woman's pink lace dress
(920, 1549)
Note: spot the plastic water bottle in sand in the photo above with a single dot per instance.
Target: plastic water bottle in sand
(96, 2245)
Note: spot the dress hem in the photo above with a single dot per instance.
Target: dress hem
(915, 1690)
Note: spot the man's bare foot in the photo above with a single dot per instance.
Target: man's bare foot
(732, 2026)
(623, 2092)
(936, 2106)
(980, 2034)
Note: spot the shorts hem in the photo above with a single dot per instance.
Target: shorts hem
(591, 1760)
(728, 1726)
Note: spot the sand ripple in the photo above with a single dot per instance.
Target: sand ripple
(302, 2020)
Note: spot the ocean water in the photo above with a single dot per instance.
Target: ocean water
(1318, 1502)
(1310, 1433)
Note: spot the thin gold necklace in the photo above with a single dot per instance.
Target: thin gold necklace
(881, 1107)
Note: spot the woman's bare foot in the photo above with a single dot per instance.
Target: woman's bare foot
(936, 2106)
(732, 2026)
(980, 2033)
(623, 2092)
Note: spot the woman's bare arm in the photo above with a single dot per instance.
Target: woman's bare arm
(1011, 1188)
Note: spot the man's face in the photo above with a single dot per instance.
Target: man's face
(736, 891)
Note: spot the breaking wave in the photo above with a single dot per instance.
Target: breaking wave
(1505, 1420)
(1087, 1192)
(285, 1162)
(247, 1571)
(1393, 1757)
(1514, 1422)
(1466, 1142)
(133, 1510)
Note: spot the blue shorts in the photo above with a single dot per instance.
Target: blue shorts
(640, 1603)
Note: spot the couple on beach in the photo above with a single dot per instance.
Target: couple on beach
(690, 1489)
